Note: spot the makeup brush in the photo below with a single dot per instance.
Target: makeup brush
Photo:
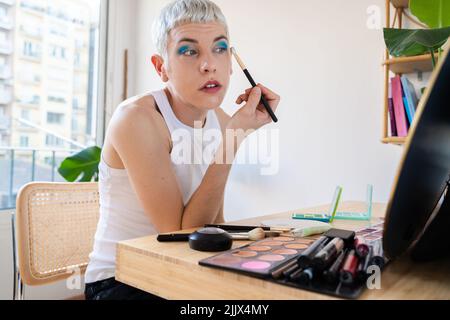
(238, 229)
(253, 83)
(253, 235)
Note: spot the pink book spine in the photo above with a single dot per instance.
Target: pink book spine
(399, 108)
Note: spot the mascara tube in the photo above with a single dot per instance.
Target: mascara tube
(327, 255)
(332, 274)
(378, 258)
(305, 259)
(306, 276)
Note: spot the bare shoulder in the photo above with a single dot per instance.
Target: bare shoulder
(138, 116)
(223, 117)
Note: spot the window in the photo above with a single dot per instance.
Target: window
(3, 12)
(75, 103)
(52, 141)
(74, 125)
(55, 118)
(57, 52)
(31, 49)
(25, 114)
(57, 99)
(24, 141)
(37, 100)
(29, 98)
(77, 60)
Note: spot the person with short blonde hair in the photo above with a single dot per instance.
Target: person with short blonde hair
(151, 177)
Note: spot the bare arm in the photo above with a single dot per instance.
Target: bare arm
(136, 136)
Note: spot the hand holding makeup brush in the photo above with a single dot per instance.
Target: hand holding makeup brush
(253, 114)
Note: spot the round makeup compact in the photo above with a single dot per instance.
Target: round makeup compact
(210, 240)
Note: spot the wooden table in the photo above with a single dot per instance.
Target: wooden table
(171, 270)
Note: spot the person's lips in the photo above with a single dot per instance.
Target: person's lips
(211, 86)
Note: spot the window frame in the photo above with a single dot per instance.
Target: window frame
(102, 70)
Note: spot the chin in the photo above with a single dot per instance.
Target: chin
(210, 103)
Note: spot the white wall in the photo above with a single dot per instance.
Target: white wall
(325, 62)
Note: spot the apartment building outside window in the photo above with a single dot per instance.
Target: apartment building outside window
(49, 58)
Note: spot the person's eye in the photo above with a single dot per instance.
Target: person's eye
(221, 47)
(186, 51)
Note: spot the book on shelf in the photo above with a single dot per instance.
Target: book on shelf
(399, 107)
(402, 104)
(391, 112)
(408, 116)
(411, 97)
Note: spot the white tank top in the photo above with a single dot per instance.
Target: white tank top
(122, 216)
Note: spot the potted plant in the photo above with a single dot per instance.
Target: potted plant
(435, 14)
(81, 167)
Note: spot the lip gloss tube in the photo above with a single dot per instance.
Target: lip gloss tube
(361, 247)
(348, 272)
(361, 271)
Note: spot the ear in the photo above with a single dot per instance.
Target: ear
(158, 63)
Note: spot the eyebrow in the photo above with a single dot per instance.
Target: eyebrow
(195, 41)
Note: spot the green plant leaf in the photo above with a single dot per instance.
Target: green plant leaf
(411, 42)
(434, 13)
(82, 166)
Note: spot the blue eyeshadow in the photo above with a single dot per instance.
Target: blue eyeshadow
(223, 44)
(183, 49)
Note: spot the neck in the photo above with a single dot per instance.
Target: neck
(186, 113)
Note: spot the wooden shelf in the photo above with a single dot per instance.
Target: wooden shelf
(394, 140)
(413, 64)
(400, 3)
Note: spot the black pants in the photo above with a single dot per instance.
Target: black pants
(110, 289)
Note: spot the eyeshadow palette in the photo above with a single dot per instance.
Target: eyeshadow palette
(260, 258)
(264, 259)
(372, 233)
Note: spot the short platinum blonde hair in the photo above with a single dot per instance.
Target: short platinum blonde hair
(181, 12)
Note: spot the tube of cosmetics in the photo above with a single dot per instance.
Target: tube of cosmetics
(305, 259)
(332, 274)
(326, 256)
(348, 271)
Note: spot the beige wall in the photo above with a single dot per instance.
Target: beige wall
(326, 64)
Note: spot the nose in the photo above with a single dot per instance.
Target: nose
(208, 65)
